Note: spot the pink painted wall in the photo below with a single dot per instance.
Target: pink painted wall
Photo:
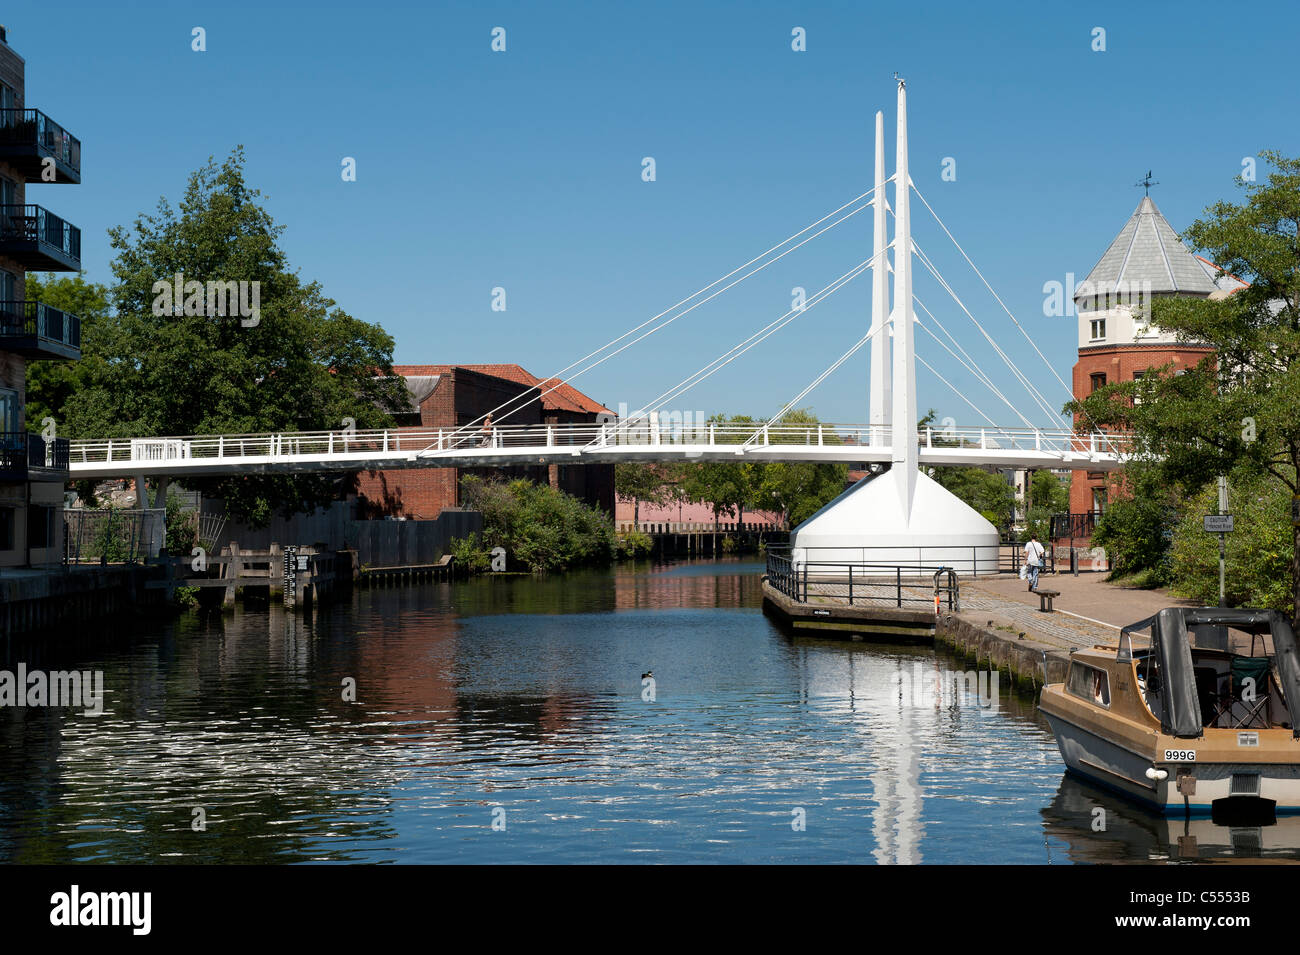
(687, 513)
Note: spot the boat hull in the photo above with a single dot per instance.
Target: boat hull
(1120, 769)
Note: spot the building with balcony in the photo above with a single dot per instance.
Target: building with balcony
(34, 151)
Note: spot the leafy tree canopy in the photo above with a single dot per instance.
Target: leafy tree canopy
(51, 383)
(304, 364)
(986, 491)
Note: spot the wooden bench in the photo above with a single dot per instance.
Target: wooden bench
(1045, 599)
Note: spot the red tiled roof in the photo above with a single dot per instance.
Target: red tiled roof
(1243, 282)
(563, 398)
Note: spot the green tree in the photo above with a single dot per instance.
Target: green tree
(540, 527)
(725, 486)
(1238, 412)
(986, 491)
(639, 481)
(182, 527)
(1137, 526)
(799, 489)
(1047, 496)
(51, 383)
(303, 364)
(1259, 550)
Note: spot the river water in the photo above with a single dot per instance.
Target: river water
(507, 720)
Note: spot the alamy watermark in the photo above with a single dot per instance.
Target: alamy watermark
(928, 688)
(215, 298)
(36, 688)
(1059, 297)
(655, 427)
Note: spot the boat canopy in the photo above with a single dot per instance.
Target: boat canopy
(1181, 705)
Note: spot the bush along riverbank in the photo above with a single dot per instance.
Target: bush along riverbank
(540, 529)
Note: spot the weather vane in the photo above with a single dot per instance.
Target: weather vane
(1147, 182)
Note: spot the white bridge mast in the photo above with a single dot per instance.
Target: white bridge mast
(906, 456)
(880, 408)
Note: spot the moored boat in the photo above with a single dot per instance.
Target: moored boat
(1198, 721)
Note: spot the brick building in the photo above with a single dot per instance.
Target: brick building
(34, 150)
(1146, 260)
(456, 396)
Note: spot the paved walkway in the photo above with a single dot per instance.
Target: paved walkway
(1088, 611)
(1088, 595)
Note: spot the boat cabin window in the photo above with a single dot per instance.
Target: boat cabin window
(1089, 683)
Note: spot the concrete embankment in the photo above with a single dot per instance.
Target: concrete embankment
(861, 621)
(1030, 647)
(1003, 646)
(63, 600)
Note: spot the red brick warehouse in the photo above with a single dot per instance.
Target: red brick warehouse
(456, 396)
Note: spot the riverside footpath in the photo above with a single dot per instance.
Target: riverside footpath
(1000, 621)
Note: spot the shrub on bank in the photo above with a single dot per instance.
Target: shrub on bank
(1258, 551)
(540, 528)
(634, 545)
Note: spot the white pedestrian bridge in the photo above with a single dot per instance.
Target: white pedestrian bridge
(520, 445)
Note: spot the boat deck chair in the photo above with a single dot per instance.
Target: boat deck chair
(1249, 675)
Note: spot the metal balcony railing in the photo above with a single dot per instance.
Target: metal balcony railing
(22, 452)
(32, 130)
(39, 321)
(37, 230)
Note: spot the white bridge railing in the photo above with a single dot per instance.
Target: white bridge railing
(643, 440)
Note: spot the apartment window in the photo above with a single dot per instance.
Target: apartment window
(1098, 329)
(8, 192)
(1098, 381)
(7, 528)
(8, 286)
(40, 527)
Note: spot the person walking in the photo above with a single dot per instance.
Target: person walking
(1034, 554)
(485, 432)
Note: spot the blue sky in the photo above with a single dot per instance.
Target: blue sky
(522, 169)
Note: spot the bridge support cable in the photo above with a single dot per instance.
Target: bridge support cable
(610, 344)
(969, 364)
(689, 382)
(957, 391)
(737, 350)
(1034, 393)
(1068, 390)
(1038, 397)
(820, 378)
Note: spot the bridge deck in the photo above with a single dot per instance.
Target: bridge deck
(517, 445)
